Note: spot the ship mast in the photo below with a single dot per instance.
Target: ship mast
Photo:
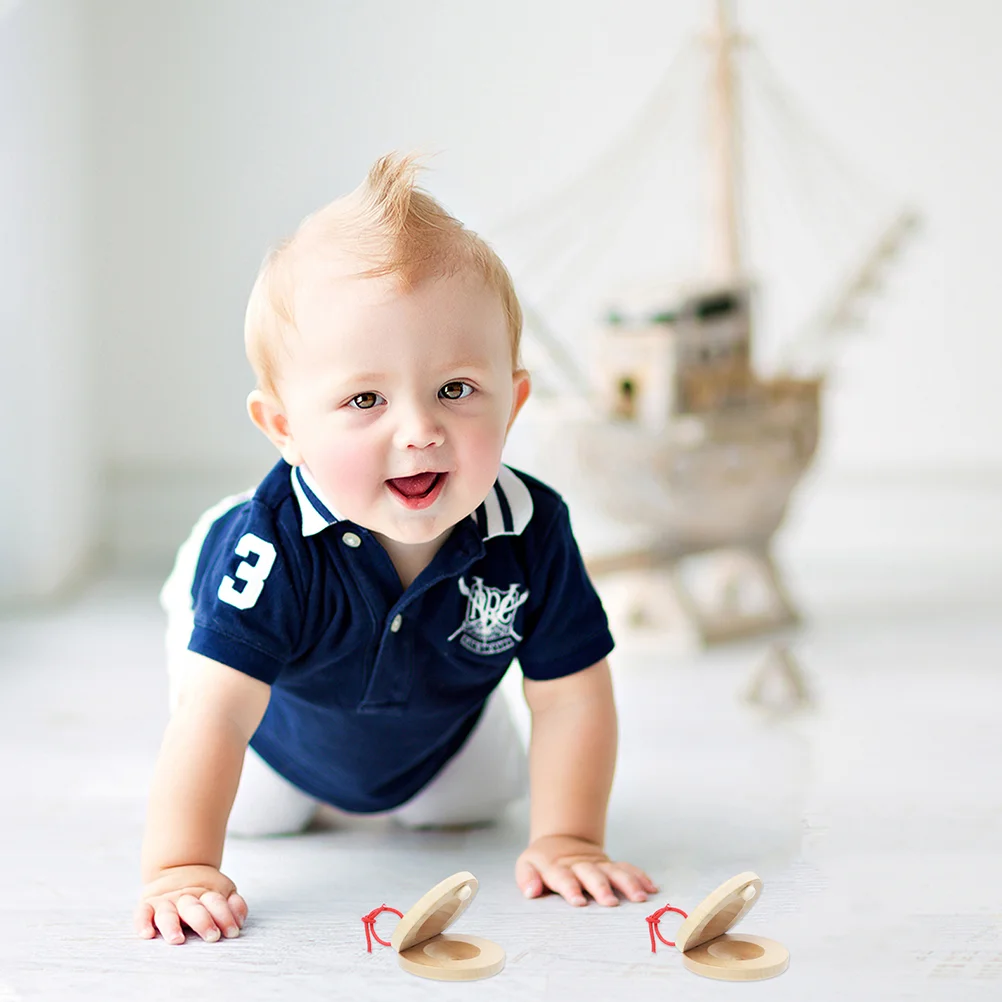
(723, 173)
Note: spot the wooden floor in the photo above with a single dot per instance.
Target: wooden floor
(875, 821)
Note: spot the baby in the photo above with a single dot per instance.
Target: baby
(351, 618)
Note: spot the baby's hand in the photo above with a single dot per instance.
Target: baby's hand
(199, 896)
(569, 866)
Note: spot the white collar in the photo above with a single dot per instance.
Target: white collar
(505, 511)
(507, 508)
(317, 513)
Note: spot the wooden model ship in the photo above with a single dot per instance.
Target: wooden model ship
(681, 438)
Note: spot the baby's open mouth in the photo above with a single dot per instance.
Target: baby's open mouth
(418, 486)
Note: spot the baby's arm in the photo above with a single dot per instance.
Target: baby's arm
(194, 785)
(572, 758)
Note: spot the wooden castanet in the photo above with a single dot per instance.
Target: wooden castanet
(709, 947)
(426, 951)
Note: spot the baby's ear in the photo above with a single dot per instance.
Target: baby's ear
(521, 387)
(267, 413)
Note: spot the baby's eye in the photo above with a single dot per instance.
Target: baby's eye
(455, 390)
(365, 401)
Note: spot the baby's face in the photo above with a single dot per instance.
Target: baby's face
(398, 402)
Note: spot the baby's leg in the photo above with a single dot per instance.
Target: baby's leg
(475, 786)
(267, 803)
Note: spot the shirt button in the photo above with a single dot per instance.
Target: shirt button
(397, 621)
(350, 539)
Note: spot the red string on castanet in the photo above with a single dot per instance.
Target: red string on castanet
(369, 921)
(652, 925)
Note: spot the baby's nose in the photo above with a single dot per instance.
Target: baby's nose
(419, 429)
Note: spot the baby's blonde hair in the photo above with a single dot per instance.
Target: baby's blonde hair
(391, 225)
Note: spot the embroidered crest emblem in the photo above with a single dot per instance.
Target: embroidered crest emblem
(490, 617)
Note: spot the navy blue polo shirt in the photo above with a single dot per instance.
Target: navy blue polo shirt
(374, 687)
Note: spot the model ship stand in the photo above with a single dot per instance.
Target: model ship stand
(778, 684)
(728, 595)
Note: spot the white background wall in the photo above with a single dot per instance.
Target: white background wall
(49, 493)
(154, 150)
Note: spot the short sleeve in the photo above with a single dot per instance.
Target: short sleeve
(246, 596)
(566, 628)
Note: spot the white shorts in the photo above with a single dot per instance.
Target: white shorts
(489, 771)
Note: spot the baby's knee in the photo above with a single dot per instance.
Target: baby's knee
(271, 823)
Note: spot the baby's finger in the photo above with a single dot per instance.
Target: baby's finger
(194, 913)
(528, 879)
(626, 880)
(648, 885)
(167, 921)
(595, 883)
(218, 907)
(239, 908)
(142, 920)
(561, 880)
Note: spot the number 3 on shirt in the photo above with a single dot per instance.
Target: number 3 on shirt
(253, 574)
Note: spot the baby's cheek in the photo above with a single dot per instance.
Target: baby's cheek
(481, 452)
(349, 474)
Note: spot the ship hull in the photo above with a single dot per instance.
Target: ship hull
(706, 481)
